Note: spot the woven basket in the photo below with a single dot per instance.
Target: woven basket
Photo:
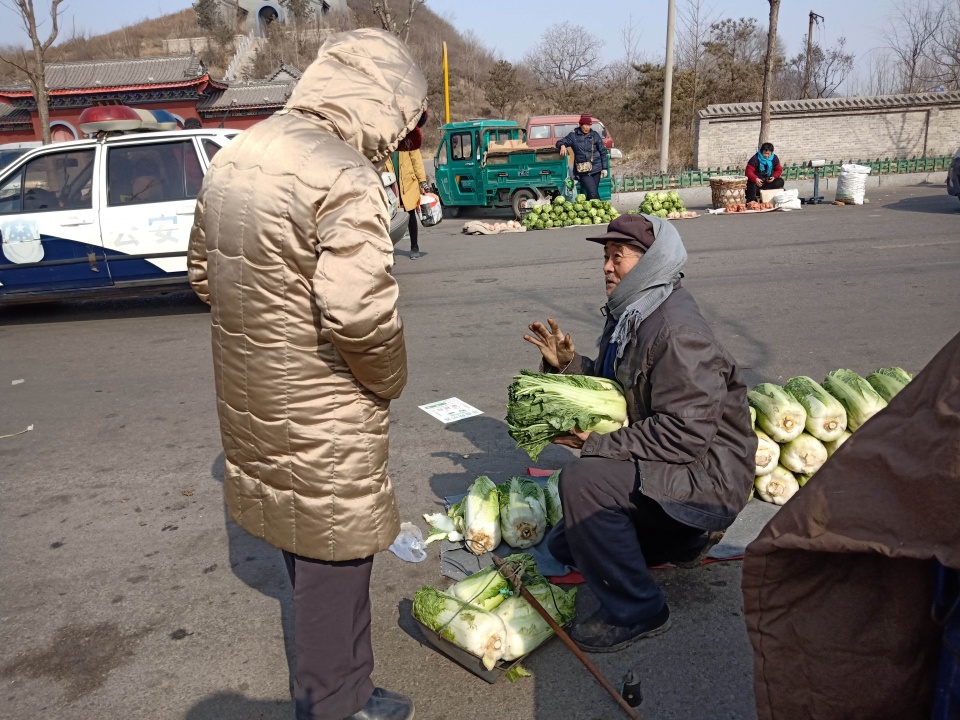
(728, 191)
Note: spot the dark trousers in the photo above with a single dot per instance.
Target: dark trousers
(753, 192)
(590, 185)
(612, 534)
(412, 228)
(331, 616)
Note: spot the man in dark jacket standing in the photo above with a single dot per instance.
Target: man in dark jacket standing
(590, 161)
(663, 488)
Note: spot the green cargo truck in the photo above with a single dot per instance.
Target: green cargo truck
(486, 163)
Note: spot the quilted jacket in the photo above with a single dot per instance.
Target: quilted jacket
(291, 248)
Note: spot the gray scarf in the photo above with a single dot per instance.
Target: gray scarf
(644, 288)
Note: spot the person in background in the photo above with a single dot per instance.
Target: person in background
(763, 172)
(291, 248)
(664, 488)
(590, 161)
(412, 181)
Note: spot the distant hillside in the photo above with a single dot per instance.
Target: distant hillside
(469, 60)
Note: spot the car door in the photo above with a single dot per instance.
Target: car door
(48, 223)
(461, 170)
(147, 210)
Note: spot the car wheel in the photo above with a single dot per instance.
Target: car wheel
(520, 197)
(451, 211)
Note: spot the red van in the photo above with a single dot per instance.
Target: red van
(547, 129)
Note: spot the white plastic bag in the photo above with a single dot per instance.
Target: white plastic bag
(852, 184)
(787, 200)
(430, 211)
(409, 544)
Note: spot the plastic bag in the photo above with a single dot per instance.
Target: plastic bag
(429, 210)
(787, 200)
(852, 184)
(409, 544)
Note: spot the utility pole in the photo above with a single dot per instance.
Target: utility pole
(768, 71)
(668, 89)
(805, 93)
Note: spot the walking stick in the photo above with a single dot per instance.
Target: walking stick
(510, 574)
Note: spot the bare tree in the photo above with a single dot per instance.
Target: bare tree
(381, 9)
(944, 51)
(908, 36)
(35, 67)
(566, 55)
(769, 64)
(695, 21)
(828, 68)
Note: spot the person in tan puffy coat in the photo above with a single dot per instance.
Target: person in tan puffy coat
(291, 248)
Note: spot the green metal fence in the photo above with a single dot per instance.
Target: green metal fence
(701, 178)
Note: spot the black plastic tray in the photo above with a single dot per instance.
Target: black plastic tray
(467, 661)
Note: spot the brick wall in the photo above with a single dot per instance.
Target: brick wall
(892, 126)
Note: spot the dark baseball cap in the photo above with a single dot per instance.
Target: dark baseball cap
(628, 229)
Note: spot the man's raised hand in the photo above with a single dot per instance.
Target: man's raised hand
(557, 349)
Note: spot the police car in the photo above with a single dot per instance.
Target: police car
(109, 214)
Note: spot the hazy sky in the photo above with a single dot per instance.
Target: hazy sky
(510, 28)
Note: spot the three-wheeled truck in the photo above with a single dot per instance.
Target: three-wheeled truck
(487, 163)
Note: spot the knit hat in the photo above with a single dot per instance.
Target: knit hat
(585, 119)
(628, 229)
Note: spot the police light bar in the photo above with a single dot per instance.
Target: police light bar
(109, 118)
(120, 118)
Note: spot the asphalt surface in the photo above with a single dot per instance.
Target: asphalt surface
(125, 592)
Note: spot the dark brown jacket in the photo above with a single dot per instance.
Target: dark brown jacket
(690, 432)
(839, 586)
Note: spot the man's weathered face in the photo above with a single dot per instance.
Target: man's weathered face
(618, 260)
(586, 127)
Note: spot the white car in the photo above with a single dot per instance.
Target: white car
(108, 215)
(94, 215)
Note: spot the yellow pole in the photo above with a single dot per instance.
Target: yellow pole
(446, 83)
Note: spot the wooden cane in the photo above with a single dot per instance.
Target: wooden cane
(510, 574)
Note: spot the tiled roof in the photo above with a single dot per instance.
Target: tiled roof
(285, 69)
(247, 95)
(838, 103)
(91, 74)
(10, 115)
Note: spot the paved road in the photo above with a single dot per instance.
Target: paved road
(126, 593)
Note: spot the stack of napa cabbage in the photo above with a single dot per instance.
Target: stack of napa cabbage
(802, 423)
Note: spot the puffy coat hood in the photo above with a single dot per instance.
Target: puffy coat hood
(367, 84)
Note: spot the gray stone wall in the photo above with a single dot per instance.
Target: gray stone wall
(892, 126)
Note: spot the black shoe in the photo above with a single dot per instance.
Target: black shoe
(597, 635)
(385, 705)
(698, 552)
(415, 253)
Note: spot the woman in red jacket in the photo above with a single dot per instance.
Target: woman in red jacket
(763, 172)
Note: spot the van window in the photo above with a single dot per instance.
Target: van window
(54, 181)
(561, 131)
(539, 132)
(461, 145)
(443, 154)
(161, 172)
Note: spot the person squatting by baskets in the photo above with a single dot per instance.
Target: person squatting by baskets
(763, 172)
(590, 160)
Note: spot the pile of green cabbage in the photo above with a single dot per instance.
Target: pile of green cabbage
(563, 213)
(486, 616)
(542, 406)
(662, 203)
(518, 512)
(801, 424)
